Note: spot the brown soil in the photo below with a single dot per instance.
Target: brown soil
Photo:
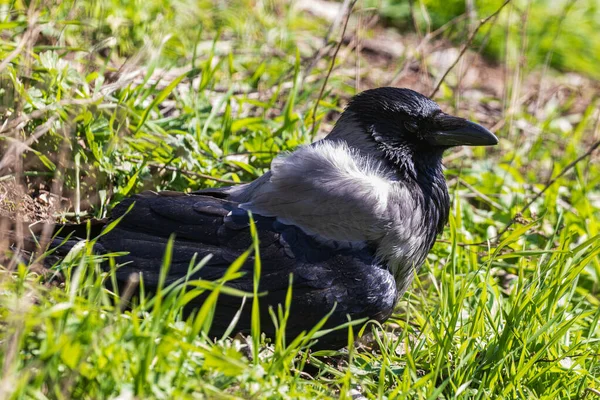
(16, 204)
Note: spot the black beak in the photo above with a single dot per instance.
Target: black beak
(454, 131)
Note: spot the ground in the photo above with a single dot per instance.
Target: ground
(100, 100)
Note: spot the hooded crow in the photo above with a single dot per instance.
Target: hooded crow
(351, 217)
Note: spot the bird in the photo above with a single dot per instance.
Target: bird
(351, 217)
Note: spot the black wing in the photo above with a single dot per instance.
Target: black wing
(324, 274)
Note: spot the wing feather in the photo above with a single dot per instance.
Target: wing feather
(325, 274)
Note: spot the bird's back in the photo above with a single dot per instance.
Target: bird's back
(325, 274)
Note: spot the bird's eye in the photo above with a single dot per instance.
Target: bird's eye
(411, 126)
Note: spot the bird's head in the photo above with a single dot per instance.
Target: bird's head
(406, 125)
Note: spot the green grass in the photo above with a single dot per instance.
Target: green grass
(127, 96)
(560, 33)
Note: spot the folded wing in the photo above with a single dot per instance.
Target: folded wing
(324, 273)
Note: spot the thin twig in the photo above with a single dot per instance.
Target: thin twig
(570, 166)
(417, 52)
(18, 147)
(337, 49)
(358, 50)
(553, 360)
(563, 16)
(539, 194)
(345, 8)
(193, 173)
(465, 71)
(322, 51)
(593, 391)
(480, 195)
(19, 122)
(466, 46)
(30, 35)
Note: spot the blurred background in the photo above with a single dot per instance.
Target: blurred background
(102, 99)
(179, 73)
(144, 91)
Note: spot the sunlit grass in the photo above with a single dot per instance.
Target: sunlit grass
(123, 97)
